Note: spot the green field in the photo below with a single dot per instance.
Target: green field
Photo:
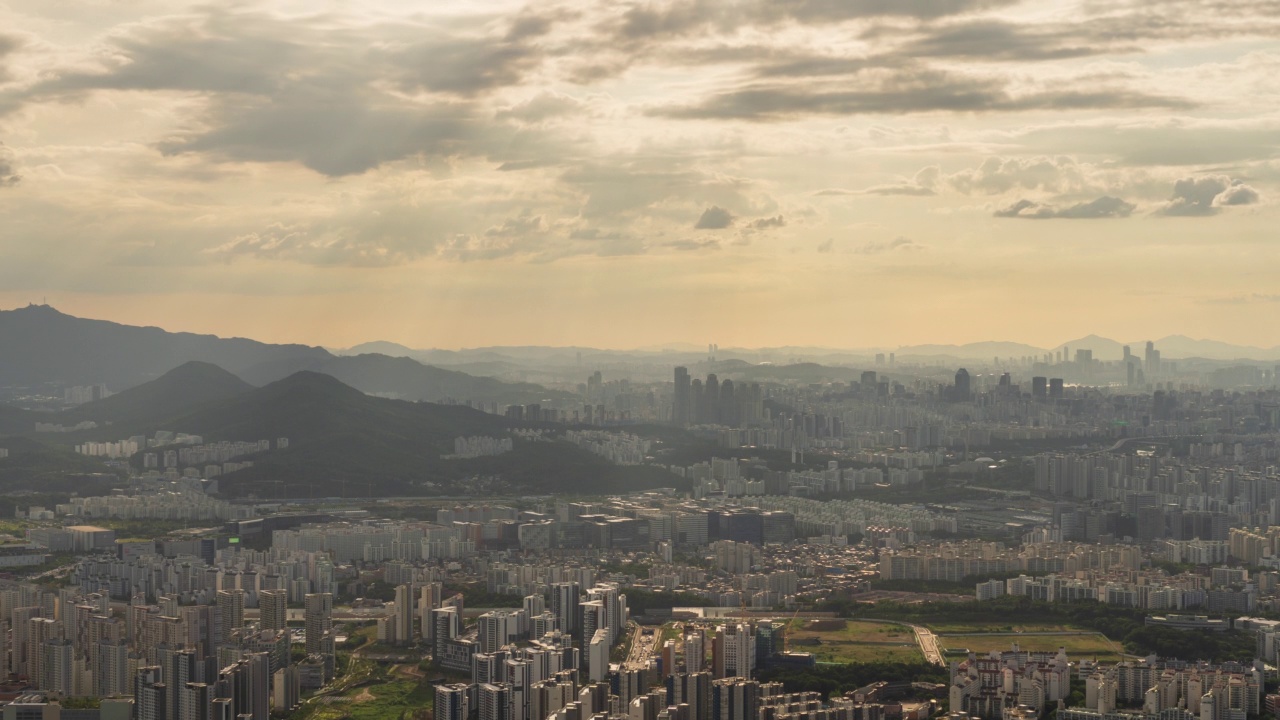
(852, 641)
(393, 695)
(962, 628)
(1089, 645)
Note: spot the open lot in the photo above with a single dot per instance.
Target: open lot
(852, 641)
(398, 694)
(963, 628)
(1079, 645)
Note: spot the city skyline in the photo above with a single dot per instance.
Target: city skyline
(623, 175)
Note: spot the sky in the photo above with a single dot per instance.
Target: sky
(757, 173)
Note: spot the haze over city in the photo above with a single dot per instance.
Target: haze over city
(639, 360)
(843, 174)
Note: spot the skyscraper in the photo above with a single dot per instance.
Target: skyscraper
(273, 605)
(963, 392)
(564, 605)
(404, 614)
(230, 612)
(452, 702)
(680, 414)
(318, 619)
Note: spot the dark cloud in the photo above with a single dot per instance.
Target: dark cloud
(466, 65)
(1103, 207)
(902, 92)
(776, 221)
(8, 45)
(900, 244)
(1203, 196)
(648, 21)
(997, 40)
(8, 175)
(714, 218)
(281, 91)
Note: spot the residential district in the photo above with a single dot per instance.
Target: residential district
(1104, 545)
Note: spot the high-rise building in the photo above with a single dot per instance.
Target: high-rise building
(739, 650)
(598, 656)
(1040, 387)
(404, 614)
(230, 612)
(735, 699)
(564, 605)
(680, 409)
(498, 628)
(149, 701)
(273, 606)
(452, 702)
(446, 624)
(318, 620)
(692, 689)
(248, 684)
(494, 700)
(963, 391)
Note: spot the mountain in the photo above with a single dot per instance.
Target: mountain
(35, 466)
(178, 391)
(380, 347)
(15, 421)
(1104, 349)
(344, 442)
(39, 344)
(404, 378)
(977, 350)
(1181, 346)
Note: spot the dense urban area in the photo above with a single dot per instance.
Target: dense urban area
(719, 539)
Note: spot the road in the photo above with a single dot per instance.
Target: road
(928, 645)
(925, 638)
(638, 654)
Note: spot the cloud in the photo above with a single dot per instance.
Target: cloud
(1244, 299)
(649, 21)
(999, 175)
(714, 218)
(1203, 196)
(1172, 141)
(8, 175)
(692, 245)
(900, 244)
(543, 107)
(988, 39)
(1103, 207)
(339, 100)
(896, 91)
(827, 245)
(517, 227)
(8, 46)
(776, 221)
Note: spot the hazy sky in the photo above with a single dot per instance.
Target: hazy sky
(750, 172)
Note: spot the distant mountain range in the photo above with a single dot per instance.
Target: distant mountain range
(41, 346)
(500, 361)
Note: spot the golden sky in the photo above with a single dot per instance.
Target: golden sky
(841, 173)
